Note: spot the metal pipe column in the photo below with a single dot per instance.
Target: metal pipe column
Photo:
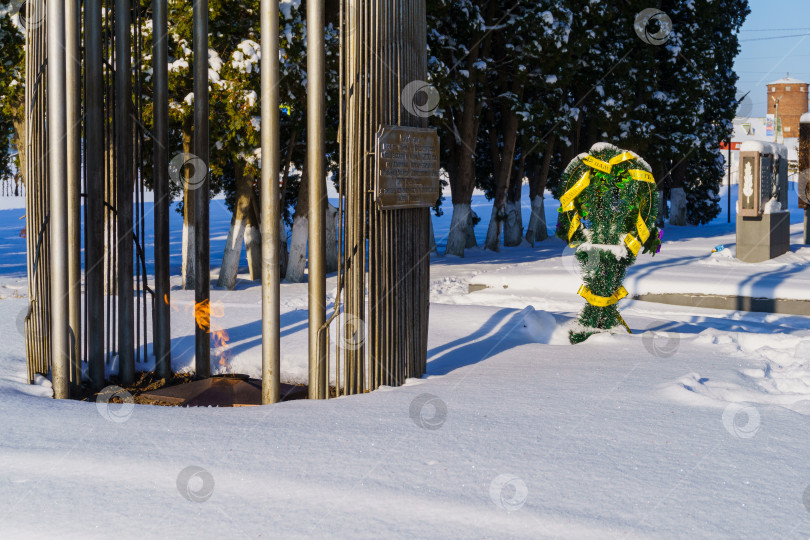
(160, 76)
(270, 222)
(123, 167)
(202, 277)
(316, 61)
(57, 163)
(73, 71)
(94, 169)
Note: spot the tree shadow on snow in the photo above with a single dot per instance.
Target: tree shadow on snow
(498, 334)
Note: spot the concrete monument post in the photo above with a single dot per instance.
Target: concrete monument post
(763, 222)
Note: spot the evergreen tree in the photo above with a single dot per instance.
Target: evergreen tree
(12, 94)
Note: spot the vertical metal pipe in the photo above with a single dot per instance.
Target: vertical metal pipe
(73, 70)
(29, 203)
(316, 61)
(123, 162)
(160, 76)
(94, 170)
(341, 163)
(270, 222)
(57, 161)
(202, 277)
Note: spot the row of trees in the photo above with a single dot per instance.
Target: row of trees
(524, 87)
(527, 87)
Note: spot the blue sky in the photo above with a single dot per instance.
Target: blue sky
(765, 60)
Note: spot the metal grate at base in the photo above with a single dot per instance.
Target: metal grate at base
(220, 391)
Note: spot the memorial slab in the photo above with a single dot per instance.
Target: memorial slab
(407, 168)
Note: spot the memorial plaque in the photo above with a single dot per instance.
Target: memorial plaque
(407, 168)
(749, 184)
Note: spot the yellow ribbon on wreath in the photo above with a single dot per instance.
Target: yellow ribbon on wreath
(601, 301)
(643, 231)
(567, 199)
(604, 301)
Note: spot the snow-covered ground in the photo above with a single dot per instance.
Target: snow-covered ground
(694, 426)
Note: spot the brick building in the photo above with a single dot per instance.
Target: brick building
(792, 96)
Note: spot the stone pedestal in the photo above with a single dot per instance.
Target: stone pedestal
(764, 237)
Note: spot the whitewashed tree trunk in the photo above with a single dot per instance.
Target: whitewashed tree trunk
(233, 247)
(233, 252)
(537, 230)
(677, 207)
(513, 225)
(253, 245)
(457, 238)
(187, 270)
(493, 241)
(331, 238)
(298, 250)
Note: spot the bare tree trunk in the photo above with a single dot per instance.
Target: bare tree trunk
(233, 247)
(187, 269)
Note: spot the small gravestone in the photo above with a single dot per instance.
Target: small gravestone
(763, 221)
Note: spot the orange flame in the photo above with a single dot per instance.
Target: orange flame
(220, 340)
(203, 311)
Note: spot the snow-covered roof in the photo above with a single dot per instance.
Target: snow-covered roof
(764, 148)
(757, 132)
(787, 80)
